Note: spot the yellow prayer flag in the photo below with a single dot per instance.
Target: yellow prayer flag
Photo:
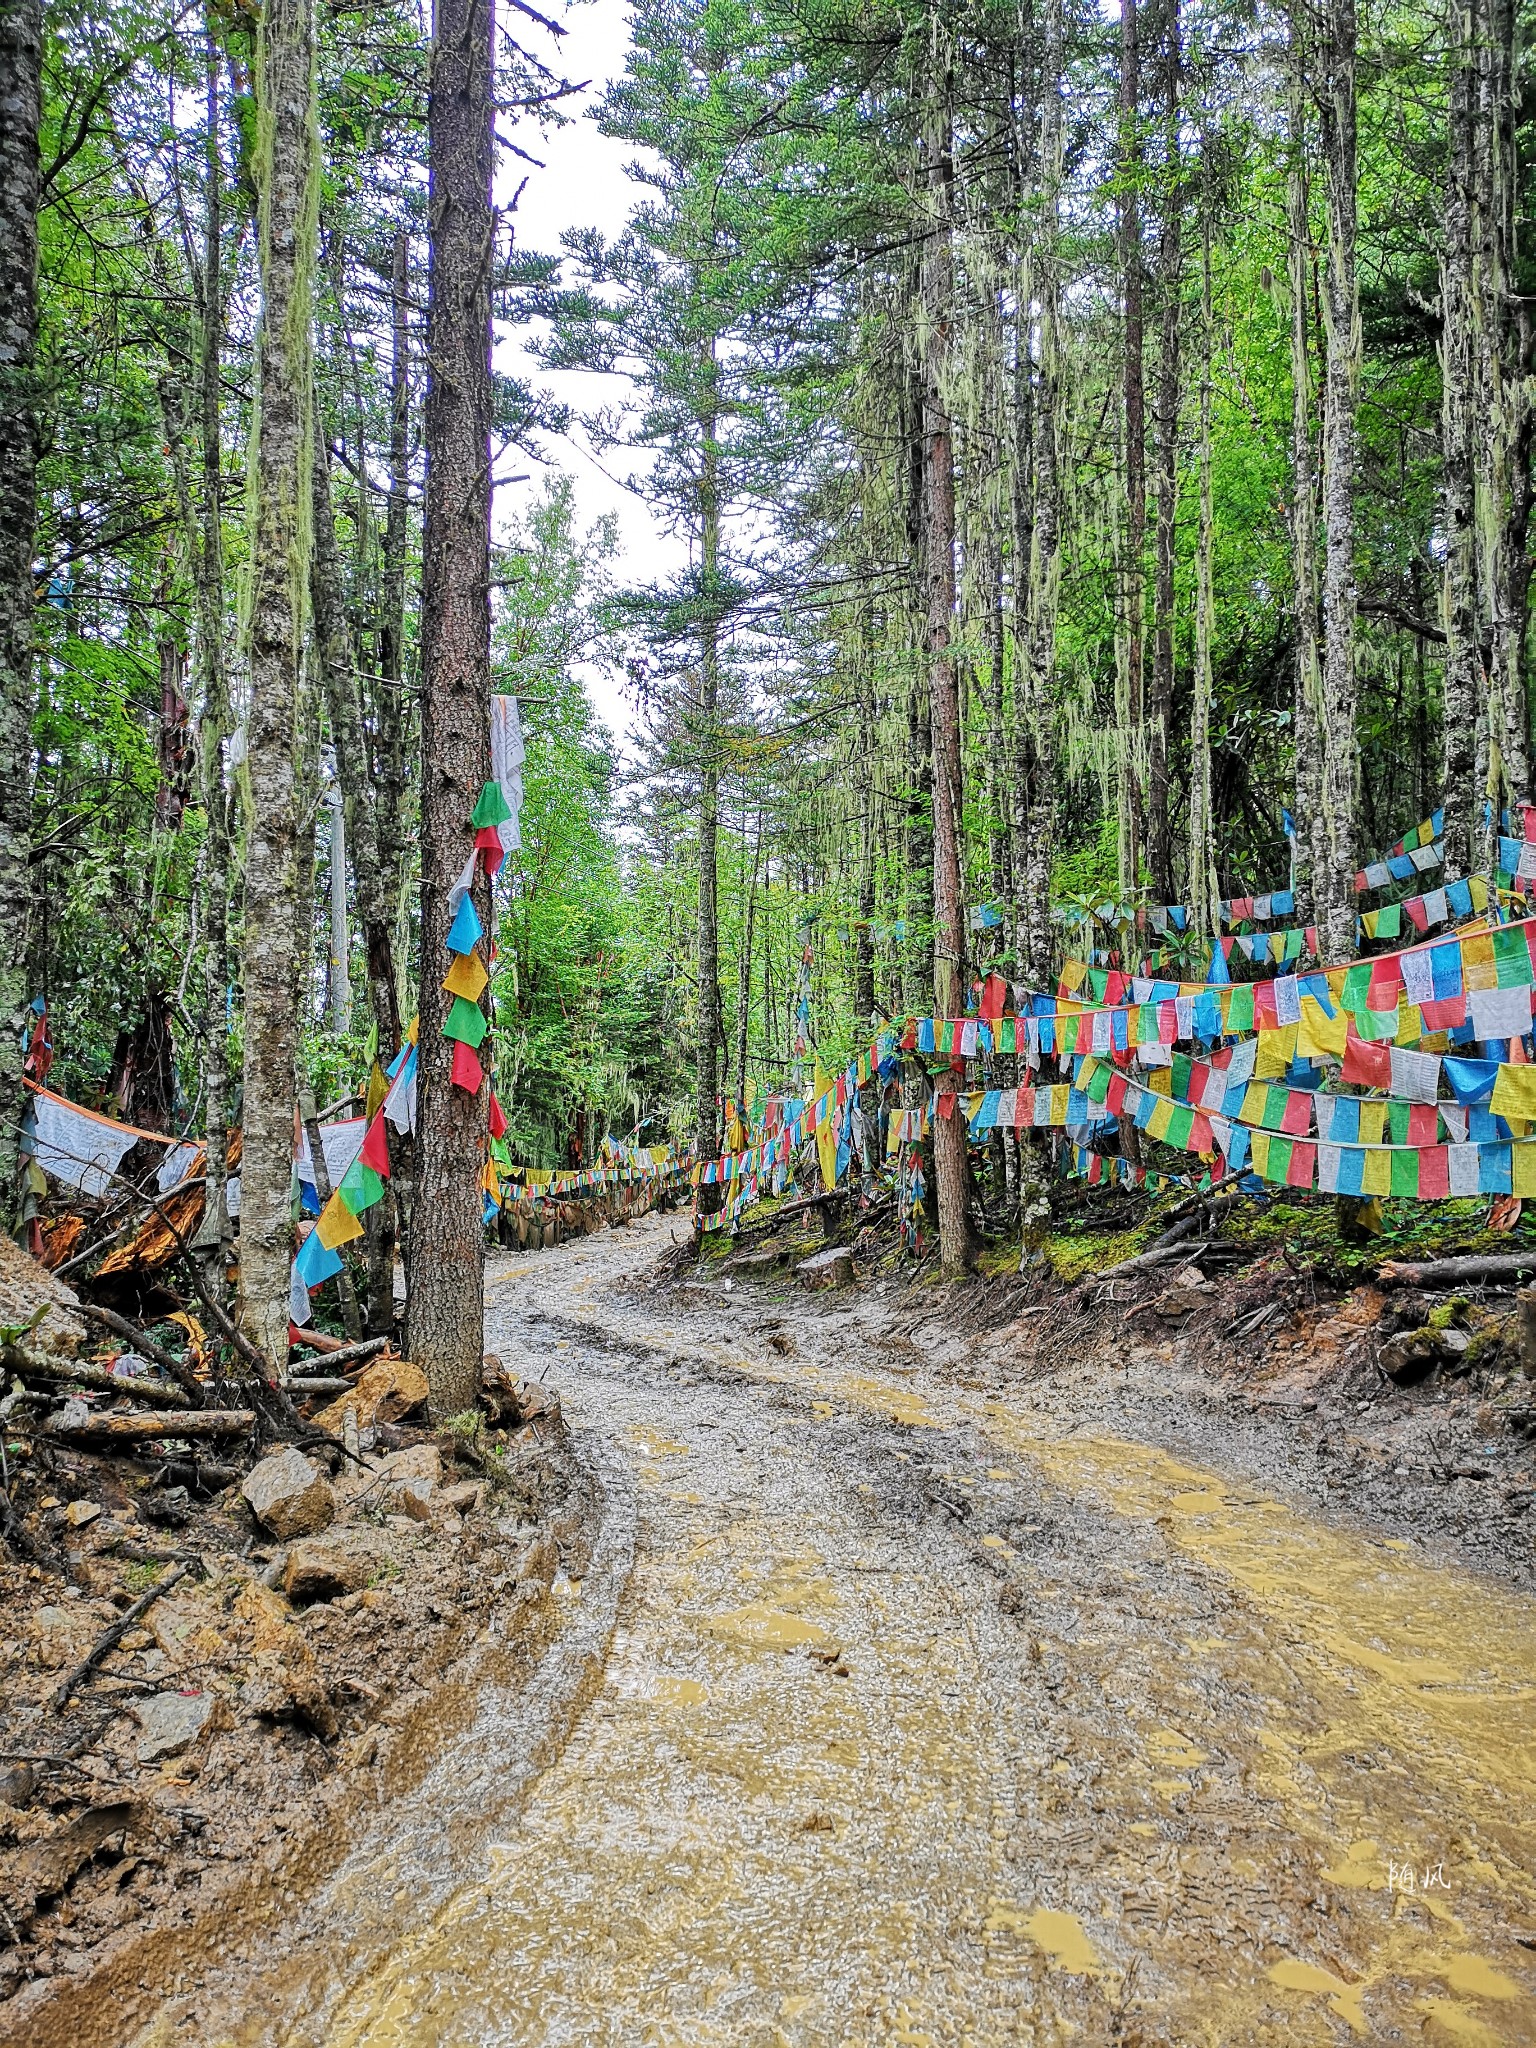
(1159, 1081)
(337, 1225)
(1479, 889)
(1059, 1094)
(1514, 1092)
(1523, 1167)
(1478, 969)
(1160, 1119)
(1318, 1033)
(1377, 1176)
(1255, 1098)
(1373, 1127)
(1276, 1051)
(466, 977)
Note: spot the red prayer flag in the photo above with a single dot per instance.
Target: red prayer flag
(1445, 1015)
(498, 1120)
(1264, 1006)
(946, 1102)
(1423, 1124)
(1296, 1120)
(1114, 1101)
(1386, 980)
(1366, 1065)
(1300, 1172)
(994, 994)
(1435, 1172)
(375, 1152)
(467, 1072)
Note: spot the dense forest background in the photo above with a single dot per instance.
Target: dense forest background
(1099, 438)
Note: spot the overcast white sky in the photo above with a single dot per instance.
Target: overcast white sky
(583, 185)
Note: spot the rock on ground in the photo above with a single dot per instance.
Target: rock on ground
(171, 1722)
(289, 1495)
(327, 1567)
(388, 1390)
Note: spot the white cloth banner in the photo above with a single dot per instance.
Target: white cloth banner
(340, 1141)
(507, 756)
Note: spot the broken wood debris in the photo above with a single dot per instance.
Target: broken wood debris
(109, 1639)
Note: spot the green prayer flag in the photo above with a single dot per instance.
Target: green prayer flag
(1240, 1008)
(492, 808)
(1180, 1073)
(1511, 957)
(466, 1022)
(1389, 924)
(1357, 983)
(360, 1188)
(1095, 1080)
(1180, 1125)
(1397, 1124)
(1405, 1172)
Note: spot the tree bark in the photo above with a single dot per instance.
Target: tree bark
(1036, 726)
(1307, 697)
(1465, 684)
(1503, 446)
(214, 724)
(393, 705)
(707, 1015)
(344, 707)
(1134, 427)
(1333, 875)
(1170, 265)
(21, 42)
(447, 1311)
(951, 1165)
(1204, 888)
(285, 182)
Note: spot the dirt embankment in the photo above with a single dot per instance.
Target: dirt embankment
(1255, 1342)
(296, 1650)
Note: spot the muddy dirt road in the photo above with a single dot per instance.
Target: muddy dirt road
(924, 1713)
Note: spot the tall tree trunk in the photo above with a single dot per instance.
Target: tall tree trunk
(1170, 269)
(706, 1135)
(1204, 888)
(744, 960)
(447, 1304)
(1465, 684)
(1036, 724)
(393, 703)
(1504, 444)
(1333, 877)
(344, 708)
(951, 1166)
(1308, 691)
(338, 993)
(1134, 425)
(214, 724)
(21, 44)
(285, 183)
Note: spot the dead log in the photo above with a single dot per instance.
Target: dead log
(33, 1365)
(143, 1429)
(303, 1385)
(146, 1347)
(350, 1354)
(1492, 1269)
(109, 1639)
(1144, 1262)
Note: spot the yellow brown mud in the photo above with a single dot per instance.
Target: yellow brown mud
(1169, 1787)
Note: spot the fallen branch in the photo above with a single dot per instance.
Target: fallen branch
(146, 1346)
(140, 1429)
(1144, 1262)
(38, 1365)
(351, 1354)
(303, 1385)
(108, 1641)
(1494, 1268)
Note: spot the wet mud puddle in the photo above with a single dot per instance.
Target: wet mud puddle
(923, 1721)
